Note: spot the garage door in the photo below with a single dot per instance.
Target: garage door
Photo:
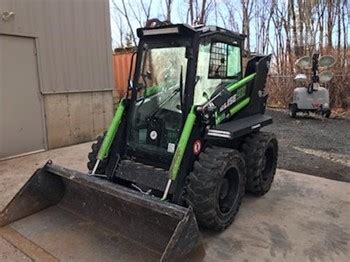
(21, 121)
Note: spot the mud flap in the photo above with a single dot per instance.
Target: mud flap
(74, 216)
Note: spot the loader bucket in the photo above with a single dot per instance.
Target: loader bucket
(68, 215)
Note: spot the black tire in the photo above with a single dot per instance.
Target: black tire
(327, 114)
(216, 186)
(293, 109)
(92, 156)
(260, 151)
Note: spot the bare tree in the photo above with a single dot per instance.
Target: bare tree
(247, 6)
(121, 29)
(286, 28)
(229, 19)
(136, 12)
(168, 4)
(146, 8)
(203, 12)
(320, 8)
(300, 24)
(263, 11)
(294, 24)
(330, 22)
(199, 11)
(124, 12)
(345, 32)
(338, 15)
(141, 11)
(190, 11)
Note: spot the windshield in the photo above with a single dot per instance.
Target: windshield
(160, 76)
(157, 117)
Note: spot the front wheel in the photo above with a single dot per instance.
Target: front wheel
(293, 109)
(216, 187)
(327, 114)
(92, 157)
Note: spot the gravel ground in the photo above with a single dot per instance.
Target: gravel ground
(302, 218)
(311, 145)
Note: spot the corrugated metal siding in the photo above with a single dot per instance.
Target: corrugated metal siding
(74, 41)
(121, 68)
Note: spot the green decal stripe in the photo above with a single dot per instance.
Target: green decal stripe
(241, 82)
(239, 106)
(182, 145)
(233, 110)
(112, 130)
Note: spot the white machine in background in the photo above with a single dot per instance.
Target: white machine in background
(313, 97)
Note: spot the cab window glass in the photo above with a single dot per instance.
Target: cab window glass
(233, 61)
(225, 61)
(208, 76)
(205, 86)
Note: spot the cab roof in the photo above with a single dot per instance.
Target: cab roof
(186, 30)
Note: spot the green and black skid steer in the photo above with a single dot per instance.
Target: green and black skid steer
(183, 148)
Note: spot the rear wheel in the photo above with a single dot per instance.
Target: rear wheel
(216, 186)
(293, 109)
(260, 152)
(327, 114)
(92, 156)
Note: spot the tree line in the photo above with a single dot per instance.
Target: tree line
(288, 29)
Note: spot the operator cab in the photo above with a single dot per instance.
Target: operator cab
(177, 67)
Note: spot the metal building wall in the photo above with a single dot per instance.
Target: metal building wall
(73, 40)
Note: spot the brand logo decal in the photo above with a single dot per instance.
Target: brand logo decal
(229, 102)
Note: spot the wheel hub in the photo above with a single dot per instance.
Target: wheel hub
(228, 191)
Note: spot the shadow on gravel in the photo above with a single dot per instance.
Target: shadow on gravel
(314, 146)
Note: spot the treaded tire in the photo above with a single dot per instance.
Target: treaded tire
(260, 151)
(215, 168)
(327, 114)
(293, 109)
(92, 156)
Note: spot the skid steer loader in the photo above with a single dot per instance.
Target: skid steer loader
(183, 147)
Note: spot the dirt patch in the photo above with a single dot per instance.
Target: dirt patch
(311, 145)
